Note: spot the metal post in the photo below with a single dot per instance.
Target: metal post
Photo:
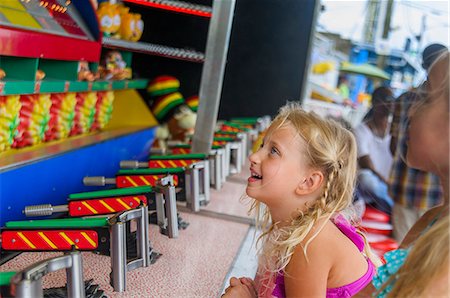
(217, 169)
(195, 186)
(118, 257)
(205, 182)
(75, 282)
(171, 211)
(227, 160)
(30, 288)
(143, 241)
(212, 167)
(212, 75)
(120, 264)
(28, 282)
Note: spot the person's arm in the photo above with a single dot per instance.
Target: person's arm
(395, 126)
(362, 137)
(365, 162)
(308, 278)
(421, 224)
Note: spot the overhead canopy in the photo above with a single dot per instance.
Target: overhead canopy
(364, 69)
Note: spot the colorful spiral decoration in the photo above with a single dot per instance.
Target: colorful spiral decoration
(9, 120)
(84, 113)
(104, 108)
(62, 113)
(34, 117)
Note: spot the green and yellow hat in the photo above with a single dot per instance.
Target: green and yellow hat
(164, 106)
(192, 102)
(163, 85)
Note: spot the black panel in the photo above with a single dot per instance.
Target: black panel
(267, 56)
(174, 30)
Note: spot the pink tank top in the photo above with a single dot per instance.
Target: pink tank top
(346, 290)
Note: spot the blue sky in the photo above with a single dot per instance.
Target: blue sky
(347, 18)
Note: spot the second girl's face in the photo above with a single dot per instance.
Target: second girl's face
(277, 167)
(428, 144)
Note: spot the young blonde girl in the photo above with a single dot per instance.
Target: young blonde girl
(304, 176)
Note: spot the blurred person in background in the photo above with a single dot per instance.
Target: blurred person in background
(374, 157)
(413, 191)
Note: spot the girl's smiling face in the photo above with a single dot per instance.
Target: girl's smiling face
(428, 143)
(277, 167)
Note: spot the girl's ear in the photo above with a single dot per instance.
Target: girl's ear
(310, 183)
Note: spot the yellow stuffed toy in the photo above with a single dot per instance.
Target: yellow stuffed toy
(109, 17)
(138, 27)
(127, 23)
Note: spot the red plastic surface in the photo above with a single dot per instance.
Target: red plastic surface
(180, 150)
(385, 245)
(104, 206)
(171, 8)
(175, 163)
(140, 180)
(376, 227)
(36, 240)
(376, 215)
(24, 43)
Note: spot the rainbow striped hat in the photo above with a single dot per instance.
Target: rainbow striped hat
(192, 102)
(163, 85)
(164, 105)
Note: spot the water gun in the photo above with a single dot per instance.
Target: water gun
(86, 234)
(166, 210)
(218, 161)
(103, 202)
(196, 174)
(28, 282)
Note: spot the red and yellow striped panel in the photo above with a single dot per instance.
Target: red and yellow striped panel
(141, 180)
(104, 206)
(222, 135)
(35, 240)
(180, 150)
(173, 163)
(219, 143)
(230, 128)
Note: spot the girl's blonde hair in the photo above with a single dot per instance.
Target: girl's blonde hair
(330, 149)
(428, 260)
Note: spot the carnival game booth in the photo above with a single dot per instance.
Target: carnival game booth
(55, 123)
(72, 106)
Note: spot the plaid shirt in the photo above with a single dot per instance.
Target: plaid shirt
(410, 187)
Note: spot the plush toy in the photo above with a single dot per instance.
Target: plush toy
(163, 85)
(192, 102)
(138, 27)
(84, 73)
(109, 16)
(127, 23)
(176, 119)
(113, 67)
(40, 75)
(2, 74)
